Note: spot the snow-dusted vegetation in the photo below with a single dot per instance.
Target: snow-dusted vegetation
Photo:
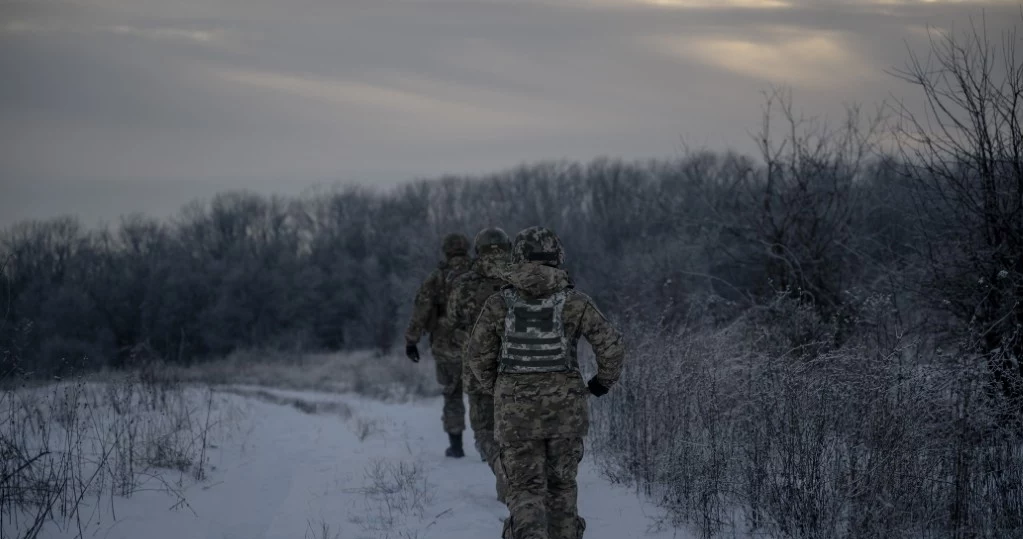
(752, 425)
(71, 450)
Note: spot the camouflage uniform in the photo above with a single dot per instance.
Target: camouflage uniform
(468, 294)
(429, 315)
(541, 417)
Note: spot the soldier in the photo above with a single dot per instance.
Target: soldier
(429, 315)
(523, 351)
(468, 293)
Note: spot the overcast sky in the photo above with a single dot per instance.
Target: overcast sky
(116, 106)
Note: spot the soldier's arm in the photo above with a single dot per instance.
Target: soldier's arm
(606, 341)
(484, 344)
(422, 307)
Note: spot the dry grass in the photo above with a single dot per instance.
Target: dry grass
(395, 496)
(69, 450)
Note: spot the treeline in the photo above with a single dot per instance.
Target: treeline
(338, 270)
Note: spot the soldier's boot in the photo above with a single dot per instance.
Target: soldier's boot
(455, 451)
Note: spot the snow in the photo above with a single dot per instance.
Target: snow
(300, 464)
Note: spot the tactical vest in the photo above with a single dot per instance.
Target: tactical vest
(534, 335)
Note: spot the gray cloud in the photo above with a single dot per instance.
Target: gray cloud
(133, 97)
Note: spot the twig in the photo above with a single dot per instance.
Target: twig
(436, 518)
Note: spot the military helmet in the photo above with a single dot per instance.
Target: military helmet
(538, 244)
(456, 245)
(492, 240)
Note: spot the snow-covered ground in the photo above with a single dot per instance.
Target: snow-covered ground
(303, 464)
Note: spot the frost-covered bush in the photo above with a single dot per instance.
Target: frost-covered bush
(740, 428)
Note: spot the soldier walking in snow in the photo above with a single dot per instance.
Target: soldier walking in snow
(430, 315)
(522, 349)
(469, 292)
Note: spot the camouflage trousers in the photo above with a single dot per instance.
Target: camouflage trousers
(449, 375)
(542, 490)
(481, 419)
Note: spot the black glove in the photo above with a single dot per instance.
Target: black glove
(596, 388)
(412, 352)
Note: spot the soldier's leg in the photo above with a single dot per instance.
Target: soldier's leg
(481, 418)
(449, 375)
(563, 457)
(492, 451)
(523, 463)
(478, 423)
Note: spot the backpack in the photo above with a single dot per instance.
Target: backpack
(534, 335)
(440, 299)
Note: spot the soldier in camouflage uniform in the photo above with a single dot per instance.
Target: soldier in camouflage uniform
(469, 292)
(523, 351)
(430, 315)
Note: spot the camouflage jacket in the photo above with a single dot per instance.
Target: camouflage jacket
(429, 312)
(468, 293)
(542, 405)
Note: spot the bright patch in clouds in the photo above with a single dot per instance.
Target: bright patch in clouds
(153, 33)
(800, 57)
(165, 33)
(910, 2)
(334, 90)
(404, 102)
(754, 4)
(776, 4)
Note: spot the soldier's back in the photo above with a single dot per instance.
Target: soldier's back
(469, 293)
(548, 404)
(444, 329)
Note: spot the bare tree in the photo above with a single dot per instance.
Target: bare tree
(964, 154)
(797, 216)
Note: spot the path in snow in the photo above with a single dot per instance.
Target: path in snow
(296, 466)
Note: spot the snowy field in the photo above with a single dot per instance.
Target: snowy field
(311, 464)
